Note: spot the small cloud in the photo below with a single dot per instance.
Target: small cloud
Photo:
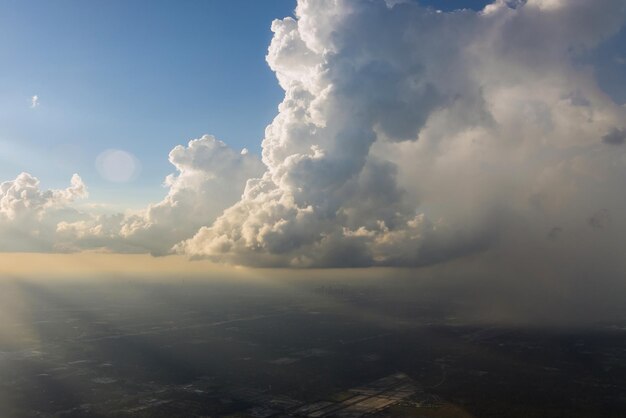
(34, 101)
(244, 151)
(615, 137)
(620, 60)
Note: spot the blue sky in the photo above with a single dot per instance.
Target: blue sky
(141, 76)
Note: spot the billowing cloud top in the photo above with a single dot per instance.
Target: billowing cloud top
(406, 137)
(210, 177)
(28, 215)
(409, 136)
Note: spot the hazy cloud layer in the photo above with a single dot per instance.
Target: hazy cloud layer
(406, 137)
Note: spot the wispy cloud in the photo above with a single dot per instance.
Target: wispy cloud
(34, 102)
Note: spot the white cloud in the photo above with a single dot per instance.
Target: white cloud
(34, 101)
(432, 136)
(210, 177)
(29, 215)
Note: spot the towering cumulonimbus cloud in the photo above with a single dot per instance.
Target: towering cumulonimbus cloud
(409, 136)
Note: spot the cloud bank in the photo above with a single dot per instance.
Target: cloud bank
(406, 137)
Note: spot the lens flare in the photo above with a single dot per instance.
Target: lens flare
(117, 165)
